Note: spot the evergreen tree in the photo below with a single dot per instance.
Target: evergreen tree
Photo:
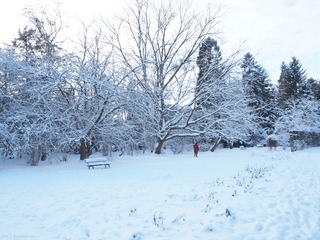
(297, 98)
(207, 88)
(42, 38)
(283, 94)
(314, 86)
(209, 59)
(258, 90)
(210, 68)
(218, 93)
(292, 82)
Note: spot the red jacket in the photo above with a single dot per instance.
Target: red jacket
(196, 148)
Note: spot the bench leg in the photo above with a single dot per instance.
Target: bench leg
(105, 166)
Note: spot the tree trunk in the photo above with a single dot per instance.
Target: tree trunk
(159, 147)
(215, 145)
(43, 153)
(83, 149)
(34, 156)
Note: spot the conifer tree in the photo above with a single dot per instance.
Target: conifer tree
(292, 82)
(208, 59)
(210, 68)
(297, 99)
(218, 93)
(258, 90)
(41, 39)
(314, 87)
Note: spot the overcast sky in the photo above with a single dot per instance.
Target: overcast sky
(272, 30)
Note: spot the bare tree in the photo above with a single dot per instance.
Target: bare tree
(157, 42)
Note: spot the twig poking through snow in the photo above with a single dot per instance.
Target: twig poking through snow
(228, 213)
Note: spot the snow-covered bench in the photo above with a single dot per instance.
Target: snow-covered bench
(92, 162)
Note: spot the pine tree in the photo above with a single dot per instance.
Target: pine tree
(209, 59)
(283, 93)
(261, 98)
(210, 68)
(42, 38)
(292, 82)
(297, 99)
(220, 104)
(314, 88)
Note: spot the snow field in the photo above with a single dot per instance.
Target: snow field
(230, 194)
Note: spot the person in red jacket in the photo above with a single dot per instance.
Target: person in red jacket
(196, 149)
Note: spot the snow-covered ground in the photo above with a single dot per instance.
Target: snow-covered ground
(229, 194)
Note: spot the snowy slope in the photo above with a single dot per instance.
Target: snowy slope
(229, 194)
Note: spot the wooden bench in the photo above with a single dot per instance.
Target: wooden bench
(91, 163)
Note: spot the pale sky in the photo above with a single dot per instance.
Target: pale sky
(272, 30)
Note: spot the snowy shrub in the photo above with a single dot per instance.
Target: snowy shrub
(300, 140)
(211, 196)
(248, 186)
(272, 141)
(158, 219)
(247, 178)
(257, 171)
(204, 146)
(62, 158)
(282, 139)
(176, 145)
(34, 157)
(299, 145)
(219, 182)
(272, 137)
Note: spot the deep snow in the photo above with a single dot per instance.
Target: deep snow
(229, 194)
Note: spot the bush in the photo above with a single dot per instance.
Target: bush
(272, 141)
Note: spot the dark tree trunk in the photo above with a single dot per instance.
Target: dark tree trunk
(159, 147)
(43, 156)
(215, 145)
(43, 153)
(83, 149)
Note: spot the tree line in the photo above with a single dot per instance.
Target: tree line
(153, 77)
